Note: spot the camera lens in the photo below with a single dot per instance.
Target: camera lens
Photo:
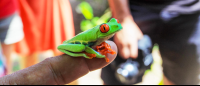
(127, 72)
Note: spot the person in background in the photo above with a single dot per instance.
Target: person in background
(173, 24)
(47, 23)
(11, 31)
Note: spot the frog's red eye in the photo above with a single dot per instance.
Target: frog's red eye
(117, 21)
(104, 28)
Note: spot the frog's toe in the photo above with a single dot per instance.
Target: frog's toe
(91, 57)
(88, 57)
(101, 56)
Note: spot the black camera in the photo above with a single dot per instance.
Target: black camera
(132, 70)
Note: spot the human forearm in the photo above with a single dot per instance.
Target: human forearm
(120, 9)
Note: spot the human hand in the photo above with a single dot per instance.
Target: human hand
(127, 39)
(61, 69)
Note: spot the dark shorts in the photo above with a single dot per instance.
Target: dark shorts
(179, 45)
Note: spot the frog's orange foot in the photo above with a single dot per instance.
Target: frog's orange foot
(90, 55)
(105, 48)
(112, 52)
(100, 46)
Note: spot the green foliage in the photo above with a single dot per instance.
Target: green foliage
(86, 24)
(161, 82)
(90, 21)
(86, 9)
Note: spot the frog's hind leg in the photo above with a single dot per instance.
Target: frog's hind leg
(92, 51)
(72, 47)
(75, 54)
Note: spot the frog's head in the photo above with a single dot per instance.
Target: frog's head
(107, 30)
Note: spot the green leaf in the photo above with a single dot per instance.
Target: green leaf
(161, 82)
(95, 20)
(86, 24)
(106, 16)
(86, 9)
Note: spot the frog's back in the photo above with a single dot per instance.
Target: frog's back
(83, 37)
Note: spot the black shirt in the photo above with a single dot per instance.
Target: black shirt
(166, 9)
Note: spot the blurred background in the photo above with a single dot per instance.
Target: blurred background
(86, 14)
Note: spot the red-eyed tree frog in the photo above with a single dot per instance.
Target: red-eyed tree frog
(82, 43)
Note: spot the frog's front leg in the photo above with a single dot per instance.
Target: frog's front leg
(74, 50)
(92, 51)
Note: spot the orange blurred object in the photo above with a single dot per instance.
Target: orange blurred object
(47, 23)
